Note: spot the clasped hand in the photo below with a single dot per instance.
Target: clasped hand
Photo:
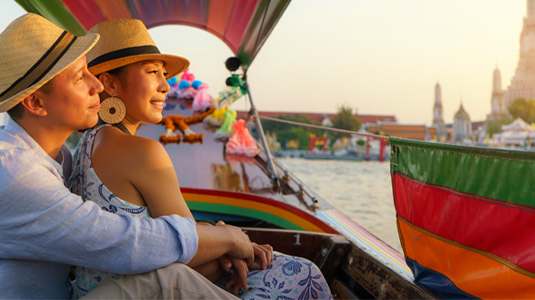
(263, 255)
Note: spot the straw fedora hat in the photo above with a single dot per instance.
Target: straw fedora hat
(32, 51)
(126, 41)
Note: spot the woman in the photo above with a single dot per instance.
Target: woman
(112, 164)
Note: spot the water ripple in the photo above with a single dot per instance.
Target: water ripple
(361, 190)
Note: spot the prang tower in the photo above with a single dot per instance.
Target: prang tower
(438, 121)
(523, 83)
(497, 101)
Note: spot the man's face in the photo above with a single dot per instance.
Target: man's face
(73, 102)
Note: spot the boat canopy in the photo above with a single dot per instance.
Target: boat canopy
(243, 25)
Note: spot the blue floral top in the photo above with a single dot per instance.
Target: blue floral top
(85, 182)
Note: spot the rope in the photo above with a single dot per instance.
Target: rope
(376, 136)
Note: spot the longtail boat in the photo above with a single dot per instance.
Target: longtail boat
(258, 194)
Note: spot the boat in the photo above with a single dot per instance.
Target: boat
(258, 194)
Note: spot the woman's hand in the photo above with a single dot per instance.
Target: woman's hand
(263, 257)
(239, 278)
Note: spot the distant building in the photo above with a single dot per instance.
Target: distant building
(462, 127)
(438, 120)
(409, 131)
(523, 83)
(323, 119)
(497, 102)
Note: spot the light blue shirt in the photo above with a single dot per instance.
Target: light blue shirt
(44, 228)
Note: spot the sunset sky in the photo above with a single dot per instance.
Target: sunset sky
(379, 56)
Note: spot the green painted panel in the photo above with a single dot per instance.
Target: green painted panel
(26, 6)
(241, 211)
(498, 174)
(56, 12)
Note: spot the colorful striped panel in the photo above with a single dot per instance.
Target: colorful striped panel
(57, 12)
(242, 24)
(252, 206)
(466, 218)
(218, 15)
(474, 272)
(491, 173)
(366, 241)
(446, 213)
(114, 9)
(79, 8)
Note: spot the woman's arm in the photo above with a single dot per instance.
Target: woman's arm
(155, 178)
(140, 169)
(149, 169)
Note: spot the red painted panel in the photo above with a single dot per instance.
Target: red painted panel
(505, 231)
(80, 10)
(116, 9)
(240, 16)
(154, 13)
(218, 16)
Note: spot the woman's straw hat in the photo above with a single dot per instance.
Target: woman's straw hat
(32, 51)
(126, 41)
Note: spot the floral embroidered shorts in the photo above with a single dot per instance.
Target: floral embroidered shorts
(286, 278)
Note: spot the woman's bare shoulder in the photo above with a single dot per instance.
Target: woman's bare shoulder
(129, 151)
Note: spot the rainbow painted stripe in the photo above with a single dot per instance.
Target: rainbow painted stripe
(366, 241)
(290, 217)
(466, 218)
(248, 205)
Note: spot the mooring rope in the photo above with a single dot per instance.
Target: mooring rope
(376, 136)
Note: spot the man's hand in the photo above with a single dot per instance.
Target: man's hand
(243, 248)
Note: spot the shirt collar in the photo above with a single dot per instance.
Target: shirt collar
(15, 129)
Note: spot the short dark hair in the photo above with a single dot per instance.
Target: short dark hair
(17, 111)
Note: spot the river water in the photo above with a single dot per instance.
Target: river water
(360, 189)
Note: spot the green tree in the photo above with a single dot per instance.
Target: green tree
(345, 119)
(495, 125)
(524, 109)
(286, 132)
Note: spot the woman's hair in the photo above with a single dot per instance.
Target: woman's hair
(121, 73)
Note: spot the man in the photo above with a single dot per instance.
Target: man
(44, 229)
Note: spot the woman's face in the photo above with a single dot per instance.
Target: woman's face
(142, 87)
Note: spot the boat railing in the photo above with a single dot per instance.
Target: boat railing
(262, 136)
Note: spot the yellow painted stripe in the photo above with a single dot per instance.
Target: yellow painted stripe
(472, 272)
(396, 262)
(284, 214)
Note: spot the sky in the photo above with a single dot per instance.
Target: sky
(377, 56)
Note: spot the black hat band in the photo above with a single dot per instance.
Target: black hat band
(41, 67)
(132, 51)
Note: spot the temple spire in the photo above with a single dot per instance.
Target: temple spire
(497, 81)
(530, 15)
(437, 109)
(497, 101)
(523, 82)
(438, 94)
(438, 120)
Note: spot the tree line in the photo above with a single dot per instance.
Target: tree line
(346, 118)
(520, 108)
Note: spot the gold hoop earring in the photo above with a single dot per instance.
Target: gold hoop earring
(112, 110)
